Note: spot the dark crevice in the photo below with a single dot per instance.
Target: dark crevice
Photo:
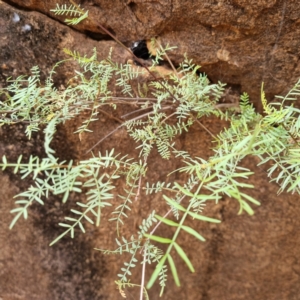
(97, 36)
(214, 257)
(132, 6)
(215, 253)
(140, 49)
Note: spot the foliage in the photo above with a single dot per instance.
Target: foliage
(73, 10)
(175, 103)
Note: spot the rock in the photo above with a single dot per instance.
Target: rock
(258, 38)
(238, 42)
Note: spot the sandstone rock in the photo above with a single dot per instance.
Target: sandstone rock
(260, 37)
(239, 42)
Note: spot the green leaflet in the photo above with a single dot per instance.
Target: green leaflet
(156, 272)
(193, 232)
(173, 203)
(173, 269)
(158, 239)
(167, 221)
(182, 254)
(203, 218)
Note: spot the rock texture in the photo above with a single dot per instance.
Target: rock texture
(238, 42)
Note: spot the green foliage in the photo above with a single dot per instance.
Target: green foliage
(166, 108)
(72, 10)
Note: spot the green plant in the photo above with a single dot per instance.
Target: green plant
(166, 108)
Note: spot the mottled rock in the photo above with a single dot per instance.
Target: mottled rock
(239, 42)
(259, 38)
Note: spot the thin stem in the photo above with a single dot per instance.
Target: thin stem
(113, 131)
(140, 182)
(110, 116)
(205, 128)
(135, 111)
(109, 134)
(143, 276)
(226, 105)
(168, 117)
(136, 58)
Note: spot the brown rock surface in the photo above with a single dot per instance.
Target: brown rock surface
(236, 41)
(260, 39)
